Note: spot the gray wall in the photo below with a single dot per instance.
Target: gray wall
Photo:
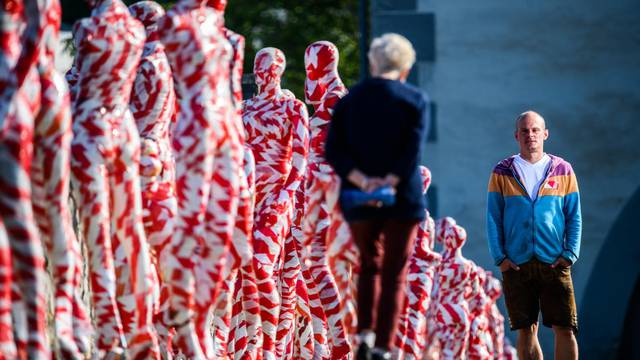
(573, 61)
(608, 298)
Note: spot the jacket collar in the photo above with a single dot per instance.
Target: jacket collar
(508, 163)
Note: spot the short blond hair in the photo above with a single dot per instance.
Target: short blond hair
(391, 54)
(532, 114)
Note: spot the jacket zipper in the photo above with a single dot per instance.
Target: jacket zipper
(515, 176)
(533, 202)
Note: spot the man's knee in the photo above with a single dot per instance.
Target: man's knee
(528, 333)
(563, 332)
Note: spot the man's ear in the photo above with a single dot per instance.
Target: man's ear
(546, 134)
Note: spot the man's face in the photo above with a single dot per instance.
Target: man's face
(531, 134)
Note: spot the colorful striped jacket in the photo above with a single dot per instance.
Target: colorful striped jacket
(519, 228)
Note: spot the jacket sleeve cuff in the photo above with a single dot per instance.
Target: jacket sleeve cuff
(569, 255)
(499, 260)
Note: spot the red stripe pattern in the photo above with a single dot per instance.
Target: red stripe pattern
(50, 175)
(276, 127)
(153, 105)
(201, 243)
(455, 276)
(22, 272)
(105, 158)
(323, 89)
(207, 145)
(413, 332)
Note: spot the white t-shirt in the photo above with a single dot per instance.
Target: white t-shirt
(532, 175)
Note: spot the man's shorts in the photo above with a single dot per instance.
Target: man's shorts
(539, 287)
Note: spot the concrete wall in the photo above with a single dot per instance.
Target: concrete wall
(612, 284)
(575, 62)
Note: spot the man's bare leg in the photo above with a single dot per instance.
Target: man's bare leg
(566, 346)
(528, 346)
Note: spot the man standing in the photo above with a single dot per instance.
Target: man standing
(534, 227)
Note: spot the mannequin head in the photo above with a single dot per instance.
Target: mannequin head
(425, 174)
(321, 63)
(53, 13)
(268, 68)
(450, 234)
(148, 13)
(218, 5)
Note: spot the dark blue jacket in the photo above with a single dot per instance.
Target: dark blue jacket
(380, 128)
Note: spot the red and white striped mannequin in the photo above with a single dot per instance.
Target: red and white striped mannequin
(105, 158)
(22, 273)
(412, 329)
(454, 281)
(323, 89)
(276, 128)
(50, 175)
(207, 147)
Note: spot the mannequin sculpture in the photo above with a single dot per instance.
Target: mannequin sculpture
(105, 157)
(207, 147)
(243, 314)
(323, 89)
(276, 133)
(455, 276)
(239, 270)
(493, 289)
(50, 171)
(480, 342)
(423, 263)
(22, 23)
(153, 105)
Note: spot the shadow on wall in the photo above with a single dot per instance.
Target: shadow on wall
(610, 312)
(629, 347)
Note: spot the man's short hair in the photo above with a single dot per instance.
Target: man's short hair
(391, 53)
(529, 113)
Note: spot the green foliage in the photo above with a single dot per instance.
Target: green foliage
(290, 25)
(73, 10)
